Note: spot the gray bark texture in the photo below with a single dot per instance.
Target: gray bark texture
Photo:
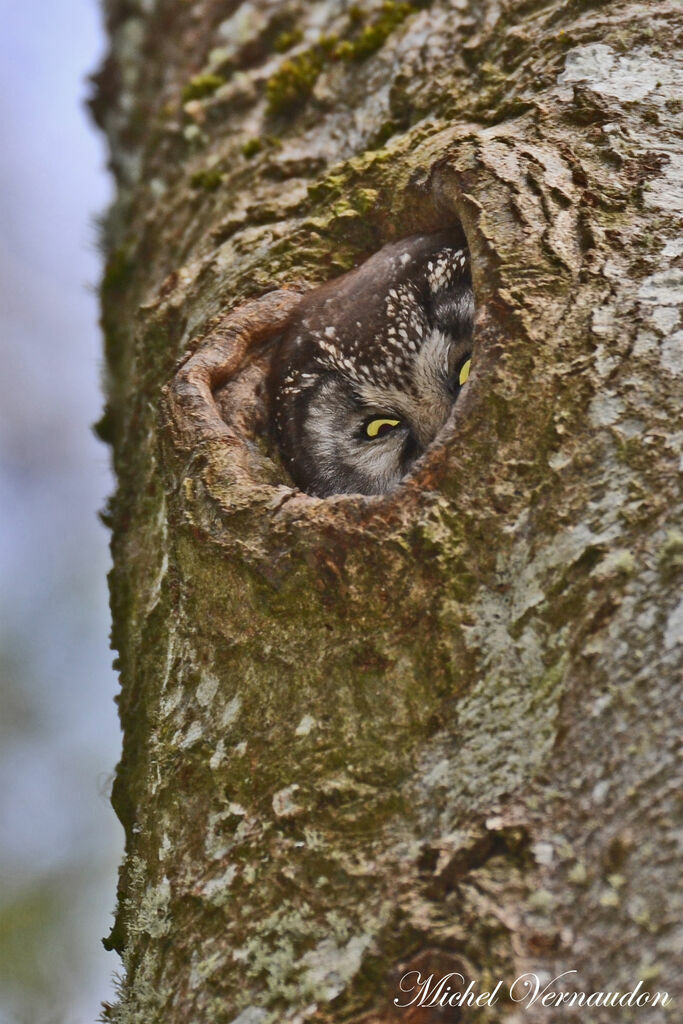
(435, 731)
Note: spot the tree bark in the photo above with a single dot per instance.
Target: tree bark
(435, 731)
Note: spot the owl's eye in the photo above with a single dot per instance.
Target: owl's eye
(464, 370)
(380, 426)
(460, 376)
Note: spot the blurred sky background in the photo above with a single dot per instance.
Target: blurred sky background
(59, 740)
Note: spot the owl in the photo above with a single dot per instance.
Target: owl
(367, 373)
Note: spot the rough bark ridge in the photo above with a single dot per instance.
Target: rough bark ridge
(436, 731)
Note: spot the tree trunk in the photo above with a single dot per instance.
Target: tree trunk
(432, 732)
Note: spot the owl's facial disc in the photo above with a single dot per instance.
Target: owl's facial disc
(365, 436)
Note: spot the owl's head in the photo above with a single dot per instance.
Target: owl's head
(367, 374)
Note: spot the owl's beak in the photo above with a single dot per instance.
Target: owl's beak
(431, 417)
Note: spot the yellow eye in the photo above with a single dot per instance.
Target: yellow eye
(464, 372)
(380, 426)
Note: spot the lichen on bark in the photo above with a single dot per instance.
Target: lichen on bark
(437, 730)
